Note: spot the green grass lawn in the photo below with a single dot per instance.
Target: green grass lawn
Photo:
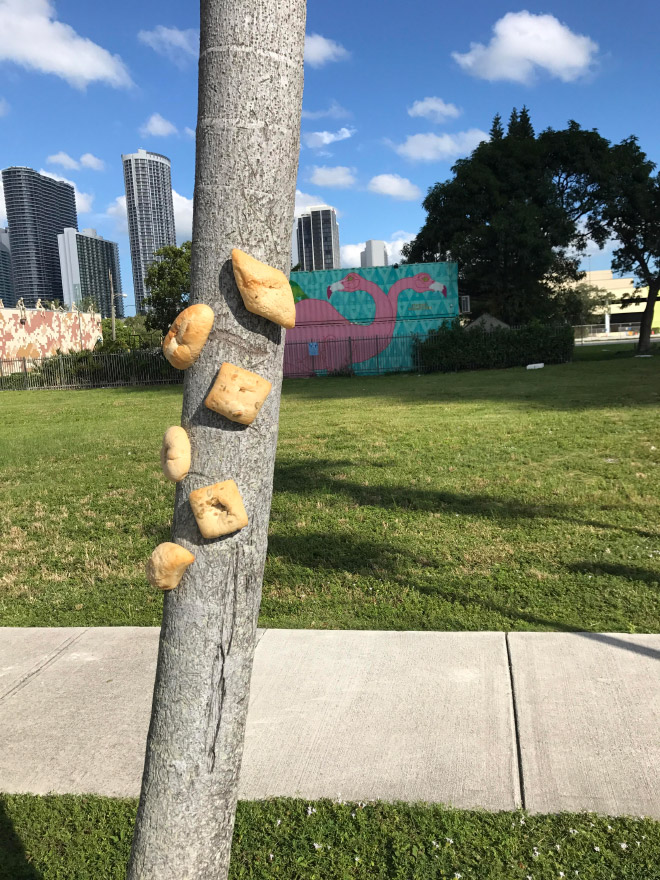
(496, 500)
(89, 838)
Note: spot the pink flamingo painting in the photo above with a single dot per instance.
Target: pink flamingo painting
(330, 325)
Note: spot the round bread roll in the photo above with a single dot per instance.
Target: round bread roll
(175, 454)
(187, 335)
(167, 564)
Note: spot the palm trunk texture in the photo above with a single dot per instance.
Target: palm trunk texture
(248, 132)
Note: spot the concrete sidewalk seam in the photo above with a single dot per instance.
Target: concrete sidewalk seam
(516, 727)
(50, 659)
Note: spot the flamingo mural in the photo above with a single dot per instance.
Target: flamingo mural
(325, 338)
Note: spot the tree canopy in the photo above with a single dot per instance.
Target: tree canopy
(168, 286)
(517, 215)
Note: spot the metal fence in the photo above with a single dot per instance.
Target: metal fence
(360, 356)
(368, 356)
(591, 332)
(88, 369)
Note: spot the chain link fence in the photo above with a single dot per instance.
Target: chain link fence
(446, 349)
(88, 369)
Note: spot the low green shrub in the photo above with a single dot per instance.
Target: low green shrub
(452, 347)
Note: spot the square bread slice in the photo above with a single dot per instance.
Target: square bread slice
(266, 291)
(218, 509)
(238, 394)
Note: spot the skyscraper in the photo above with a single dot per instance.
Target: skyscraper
(148, 183)
(318, 239)
(374, 254)
(6, 290)
(86, 260)
(38, 209)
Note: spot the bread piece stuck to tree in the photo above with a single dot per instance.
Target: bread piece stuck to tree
(265, 291)
(237, 394)
(218, 509)
(167, 564)
(187, 335)
(175, 454)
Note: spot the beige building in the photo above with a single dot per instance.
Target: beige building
(618, 289)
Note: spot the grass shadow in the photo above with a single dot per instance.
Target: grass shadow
(308, 479)
(14, 862)
(629, 572)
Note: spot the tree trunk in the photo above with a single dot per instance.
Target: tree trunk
(248, 130)
(644, 344)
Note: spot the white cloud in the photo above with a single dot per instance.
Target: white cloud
(339, 176)
(435, 147)
(523, 43)
(396, 242)
(31, 36)
(183, 217)
(89, 160)
(316, 139)
(334, 111)
(395, 186)
(179, 46)
(117, 210)
(434, 109)
(305, 201)
(189, 132)
(349, 254)
(320, 50)
(3, 210)
(158, 126)
(84, 201)
(64, 160)
(4, 107)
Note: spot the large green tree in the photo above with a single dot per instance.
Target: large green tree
(511, 217)
(168, 286)
(628, 213)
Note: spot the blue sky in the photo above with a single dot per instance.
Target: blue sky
(394, 94)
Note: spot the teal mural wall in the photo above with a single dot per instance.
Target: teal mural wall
(362, 319)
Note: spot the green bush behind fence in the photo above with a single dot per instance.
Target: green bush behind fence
(452, 347)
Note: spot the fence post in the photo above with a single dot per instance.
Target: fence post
(25, 374)
(377, 359)
(350, 355)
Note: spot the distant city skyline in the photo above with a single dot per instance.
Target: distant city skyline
(375, 134)
(38, 209)
(86, 260)
(374, 254)
(6, 289)
(150, 212)
(318, 239)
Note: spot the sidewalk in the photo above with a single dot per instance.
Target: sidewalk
(550, 721)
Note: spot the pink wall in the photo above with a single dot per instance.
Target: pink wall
(44, 332)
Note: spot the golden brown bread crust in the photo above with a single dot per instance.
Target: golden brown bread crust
(175, 454)
(167, 564)
(266, 291)
(187, 335)
(218, 509)
(238, 394)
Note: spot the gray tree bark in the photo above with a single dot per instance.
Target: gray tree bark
(248, 131)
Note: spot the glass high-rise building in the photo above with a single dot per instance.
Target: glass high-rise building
(6, 289)
(87, 261)
(318, 239)
(38, 209)
(148, 183)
